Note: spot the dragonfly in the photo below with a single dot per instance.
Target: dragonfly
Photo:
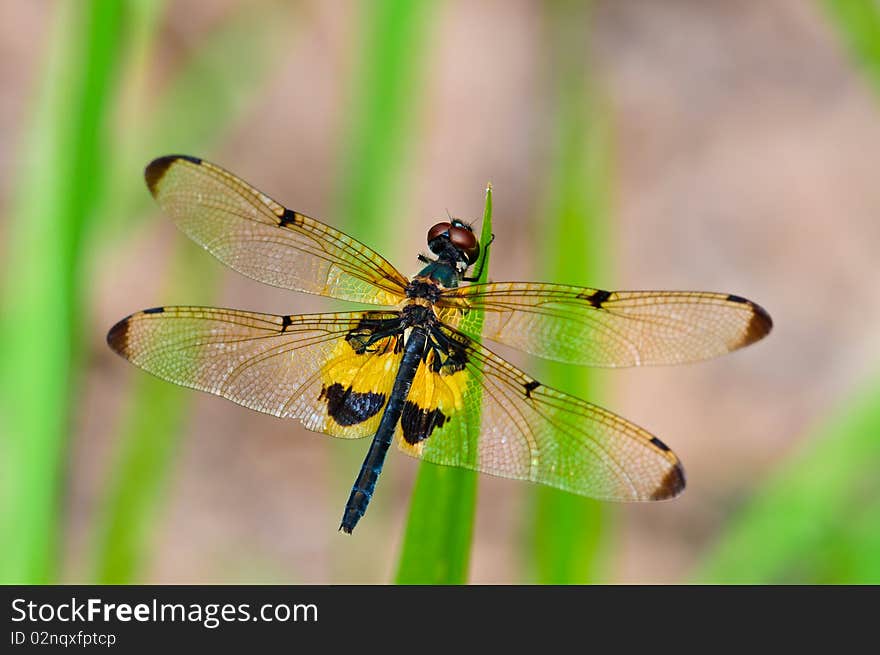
(415, 371)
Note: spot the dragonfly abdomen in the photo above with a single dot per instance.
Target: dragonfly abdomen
(365, 484)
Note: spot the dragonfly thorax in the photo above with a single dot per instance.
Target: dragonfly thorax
(440, 274)
(425, 287)
(417, 313)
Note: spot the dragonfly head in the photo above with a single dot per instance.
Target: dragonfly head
(454, 240)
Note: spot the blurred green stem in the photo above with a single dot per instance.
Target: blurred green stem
(568, 529)
(858, 22)
(60, 186)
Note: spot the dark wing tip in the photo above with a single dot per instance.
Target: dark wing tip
(760, 324)
(672, 485)
(155, 170)
(117, 337)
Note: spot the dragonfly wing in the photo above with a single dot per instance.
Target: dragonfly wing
(314, 368)
(256, 236)
(609, 328)
(528, 431)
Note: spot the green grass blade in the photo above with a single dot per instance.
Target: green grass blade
(858, 22)
(817, 520)
(437, 542)
(387, 93)
(567, 530)
(207, 96)
(60, 186)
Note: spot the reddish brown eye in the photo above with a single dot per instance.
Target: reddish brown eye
(464, 240)
(438, 230)
(459, 235)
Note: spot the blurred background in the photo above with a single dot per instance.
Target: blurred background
(680, 144)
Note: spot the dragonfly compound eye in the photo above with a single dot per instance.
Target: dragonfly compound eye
(463, 239)
(439, 230)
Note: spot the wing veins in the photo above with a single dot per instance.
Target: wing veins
(324, 253)
(229, 217)
(502, 379)
(276, 351)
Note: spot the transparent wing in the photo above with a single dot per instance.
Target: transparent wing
(260, 238)
(610, 328)
(305, 367)
(528, 431)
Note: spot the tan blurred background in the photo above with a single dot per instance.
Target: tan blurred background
(745, 155)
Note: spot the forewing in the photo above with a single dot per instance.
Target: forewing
(310, 367)
(253, 234)
(609, 328)
(528, 431)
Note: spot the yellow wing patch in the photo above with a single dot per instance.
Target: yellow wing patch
(356, 383)
(436, 397)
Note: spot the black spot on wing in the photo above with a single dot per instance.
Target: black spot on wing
(154, 310)
(662, 446)
(348, 407)
(289, 217)
(530, 387)
(155, 170)
(286, 322)
(597, 298)
(417, 424)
